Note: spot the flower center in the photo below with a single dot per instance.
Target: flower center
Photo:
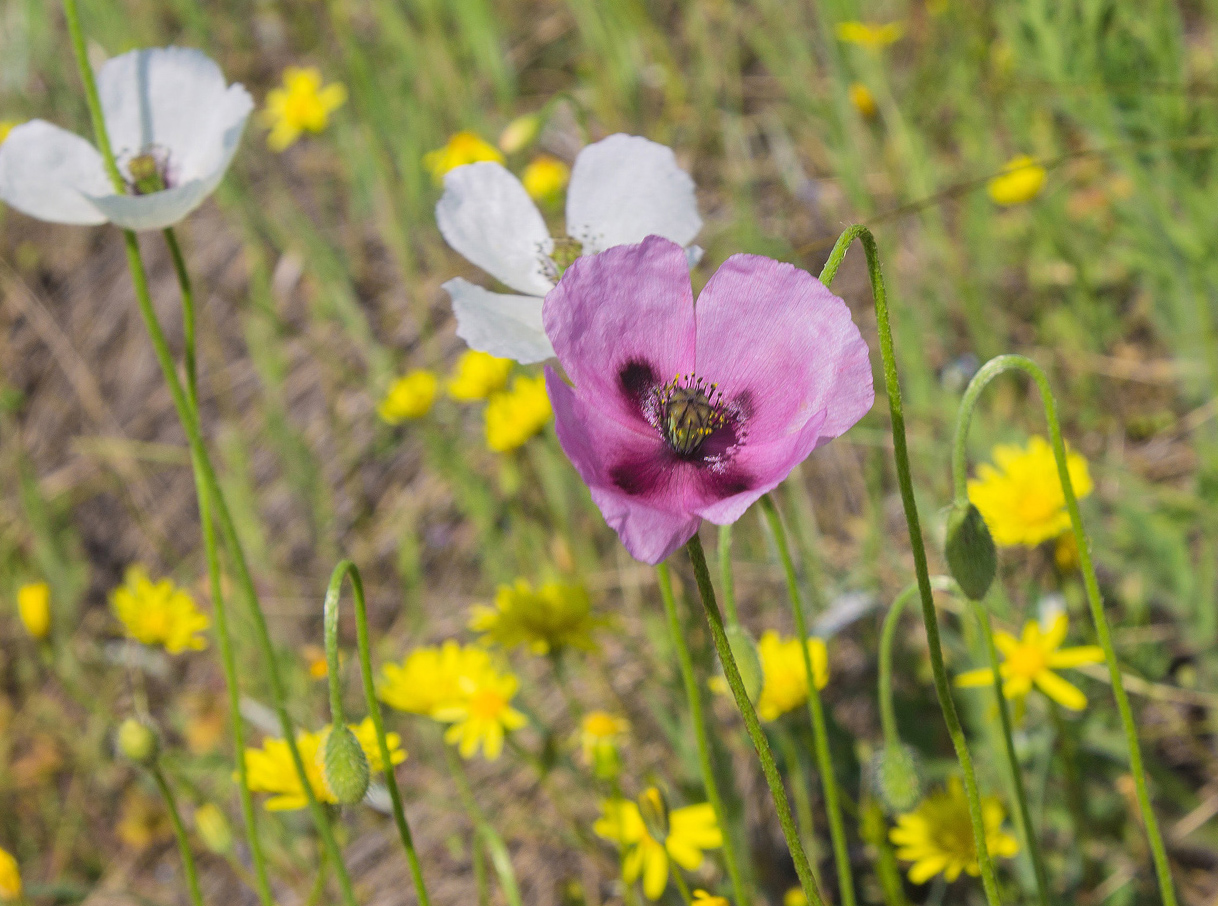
(690, 410)
(148, 173)
(486, 704)
(1028, 661)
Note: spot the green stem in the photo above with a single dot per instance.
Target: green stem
(802, 796)
(179, 831)
(1030, 842)
(816, 711)
(494, 844)
(330, 619)
(773, 779)
(888, 714)
(909, 504)
(223, 634)
(699, 718)
(981, 379)
(682, 885)
(190, 423)
(727, 581)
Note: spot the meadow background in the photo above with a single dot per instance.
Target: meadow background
(318, 275)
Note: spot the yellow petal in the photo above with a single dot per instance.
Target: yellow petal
(973, 678)
(1057, 633)
(1062, 692)
(1076, 657)
(655, 871)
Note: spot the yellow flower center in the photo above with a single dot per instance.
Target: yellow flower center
(1027, 661)
(486, 704)
(600, 724)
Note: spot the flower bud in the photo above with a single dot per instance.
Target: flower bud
(653, 808)
(34, 609)
(213, 828)
(139, 742)
(971, 557)
(896, 778)
(748, 661)
(520, 133)
(10, 878)
(345, 765)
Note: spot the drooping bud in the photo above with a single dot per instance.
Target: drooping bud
(971, 556)
(896, 778)
(213, 828)
(748, 661)
(345, 765)
(138, 741)
(653, 808)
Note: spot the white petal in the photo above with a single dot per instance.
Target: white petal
(487, 216)
(155, 211)
(626, 188)
(164, 99)
(44, 170)
(504, 325)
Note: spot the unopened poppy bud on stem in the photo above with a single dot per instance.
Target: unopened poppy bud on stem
(896, 778)
(139, 742)
(971, 555)
(346, 765)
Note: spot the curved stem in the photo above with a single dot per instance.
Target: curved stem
(223, 634)
(888, 715)
(1030, 841)
(699, 718)
(816, 711)
(330, 618)
(984, 375)
(179, 831)
(909, 504)
(198, 451)
(732, 673)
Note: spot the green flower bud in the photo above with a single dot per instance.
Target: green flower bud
(138, 741)
(971, 556)
(345, 766)
(894, 773)
(748, 661)
(653, 808)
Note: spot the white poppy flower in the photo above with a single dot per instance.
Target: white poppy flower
(173, 124)
(623, 189)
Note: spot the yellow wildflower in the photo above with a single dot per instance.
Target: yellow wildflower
(937, 836)
(513, 416)
(554, 616)
(463, 148)
(159, 613)
(870, 34)
(10, 876)
(545, 178)
(795, 897)
(702, 898)
(1021, 181)
(409, 397)
(429, 678)
(1031, 660)
(477, 376)
(301, 105)
(315, 661)
(1021, 497)
(7, 126)
(34, 608)
(483, 714)
(691, 830)
(599, 734)
(271, 769)
(863, 100)
(785, 681)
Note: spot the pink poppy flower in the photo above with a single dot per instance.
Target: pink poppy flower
(680, 414)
